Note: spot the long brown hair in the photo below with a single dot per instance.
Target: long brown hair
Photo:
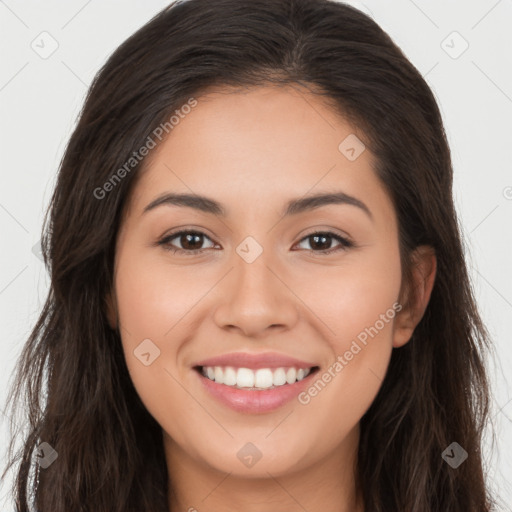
(72, 373)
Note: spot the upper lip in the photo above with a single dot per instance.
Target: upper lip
(255, 361)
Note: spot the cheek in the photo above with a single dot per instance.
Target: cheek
(354, 295)
(153, 301)
(154, 297)
(359, 308)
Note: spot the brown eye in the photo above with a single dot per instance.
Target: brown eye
(322, 241)
(190, 241)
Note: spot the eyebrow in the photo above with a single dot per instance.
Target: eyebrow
(293, 207)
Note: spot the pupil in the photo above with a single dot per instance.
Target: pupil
(188, 237)
(317, 237)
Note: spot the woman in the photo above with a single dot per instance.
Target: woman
(259, 298)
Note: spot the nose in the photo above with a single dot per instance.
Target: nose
(255, 298)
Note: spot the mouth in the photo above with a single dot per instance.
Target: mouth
(255, 380)
(254, 391)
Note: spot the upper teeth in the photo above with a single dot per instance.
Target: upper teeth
(263, 378)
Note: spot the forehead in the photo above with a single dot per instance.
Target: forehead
(259, 147)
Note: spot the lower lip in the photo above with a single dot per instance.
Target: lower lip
(255, 401)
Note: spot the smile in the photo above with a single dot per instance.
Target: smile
(254, 391)
(254, 380)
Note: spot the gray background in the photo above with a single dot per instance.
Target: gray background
(41, 95)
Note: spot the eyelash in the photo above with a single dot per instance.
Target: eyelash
(344, 242)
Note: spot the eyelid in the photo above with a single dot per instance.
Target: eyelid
(330, 231)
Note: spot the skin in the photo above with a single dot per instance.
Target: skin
(253, 151)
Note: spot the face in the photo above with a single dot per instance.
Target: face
(256, 295)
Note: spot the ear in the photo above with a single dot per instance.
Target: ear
(416, 294)
(111, 310)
